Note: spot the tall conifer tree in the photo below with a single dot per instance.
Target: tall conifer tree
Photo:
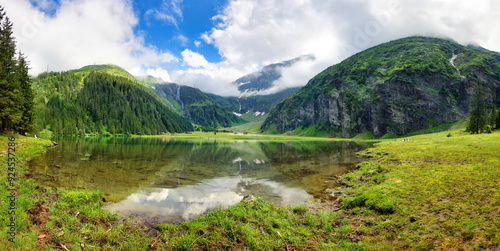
(26, 98)
(16, 96)
(477, 111)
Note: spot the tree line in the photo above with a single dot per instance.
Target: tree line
(479, 119)
(16, 94)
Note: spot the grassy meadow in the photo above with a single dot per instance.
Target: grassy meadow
(435, 191)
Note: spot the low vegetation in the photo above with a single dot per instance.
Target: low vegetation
(433, 191)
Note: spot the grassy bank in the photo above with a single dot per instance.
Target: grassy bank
(48, 218)
(434, 191)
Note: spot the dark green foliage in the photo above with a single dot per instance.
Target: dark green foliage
(492, 118)
(26, 98)
(16, 96)
(477, 111)
(498, 119)
(69, 103)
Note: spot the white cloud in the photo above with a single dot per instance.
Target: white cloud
(194, 59)
(82, 33)
(159, 72)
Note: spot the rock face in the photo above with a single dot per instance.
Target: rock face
(401, 86)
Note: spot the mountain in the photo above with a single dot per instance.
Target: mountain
(149, 80)
(264, 79)
(198, 107)
(89, 101)
(106, 68)
(397, 87)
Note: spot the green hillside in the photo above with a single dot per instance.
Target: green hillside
(106, 68)
(74, 103)
(395, 88)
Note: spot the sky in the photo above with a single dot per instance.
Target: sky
(209, 44)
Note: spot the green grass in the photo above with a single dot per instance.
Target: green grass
(431, 192)
(259, 225)
(315, 131)
(255, 122)
(440, 128)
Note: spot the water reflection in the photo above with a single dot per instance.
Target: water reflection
(171, 180)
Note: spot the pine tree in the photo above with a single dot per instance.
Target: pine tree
(27, 96)
(492, 117)
(498, 119)
(16, 96)
(477, 111)
(9, 114)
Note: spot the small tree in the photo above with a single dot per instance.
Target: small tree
(492, 118)
(498, 119)
(477, 111)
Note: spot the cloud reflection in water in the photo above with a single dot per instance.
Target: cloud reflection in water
(184, 203)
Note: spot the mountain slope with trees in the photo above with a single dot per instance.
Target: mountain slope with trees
(94, 102)
(394, 88)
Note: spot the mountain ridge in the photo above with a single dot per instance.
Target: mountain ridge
(397, 87)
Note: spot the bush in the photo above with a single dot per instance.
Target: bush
(488, 129)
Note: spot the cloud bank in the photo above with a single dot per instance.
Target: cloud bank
(248, 34)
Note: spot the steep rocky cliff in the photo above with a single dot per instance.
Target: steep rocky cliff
(404, 85)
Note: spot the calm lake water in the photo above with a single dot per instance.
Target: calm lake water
(173, 180)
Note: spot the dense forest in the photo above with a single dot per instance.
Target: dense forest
(93, 102)
(16, 95)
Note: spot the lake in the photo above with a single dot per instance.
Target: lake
(172, 180)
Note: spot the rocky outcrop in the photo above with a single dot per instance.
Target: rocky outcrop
(398, 87)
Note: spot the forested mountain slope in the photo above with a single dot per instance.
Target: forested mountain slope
(397, 87)
(92, 102)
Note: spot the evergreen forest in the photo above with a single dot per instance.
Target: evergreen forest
(94, 102)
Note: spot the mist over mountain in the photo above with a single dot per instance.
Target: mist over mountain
(263, 80)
